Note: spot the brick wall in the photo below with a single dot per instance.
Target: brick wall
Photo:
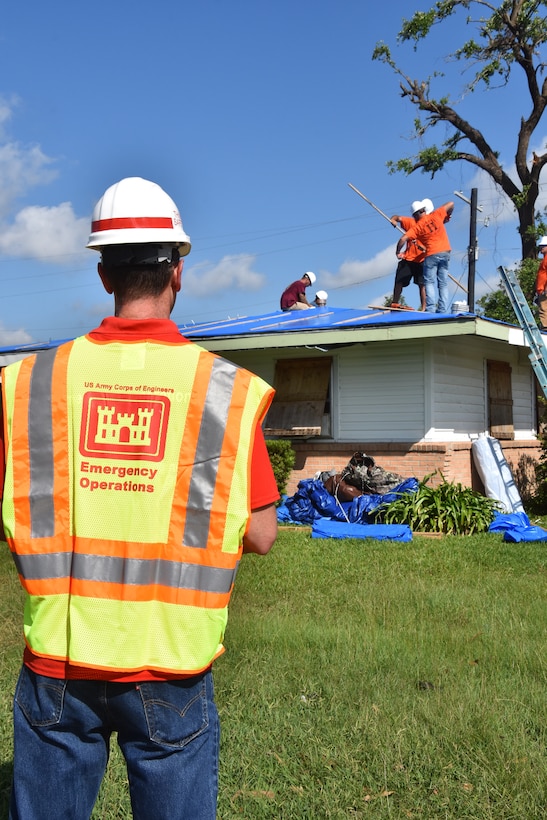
(452, 459)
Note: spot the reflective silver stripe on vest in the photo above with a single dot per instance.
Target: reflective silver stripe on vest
(127, 571)
(210, 438)
(40, 434)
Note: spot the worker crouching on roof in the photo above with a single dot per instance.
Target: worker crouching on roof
(136, 475)
(294, 296)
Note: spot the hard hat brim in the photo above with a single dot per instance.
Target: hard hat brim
(102, 239)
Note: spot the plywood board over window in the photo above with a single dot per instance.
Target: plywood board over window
(500, 400)
(541, 425)
(301, 399)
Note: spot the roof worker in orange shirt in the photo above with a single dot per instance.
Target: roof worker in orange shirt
(541, 284)
(145, 479)
(294, 295)
(411, 263)
(430, 232)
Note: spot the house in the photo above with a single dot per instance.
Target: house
(411, 389)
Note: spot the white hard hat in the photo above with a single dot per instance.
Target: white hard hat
(421, 205)
(321, 294)
(542, 242)
(311, 276)
(135, 211)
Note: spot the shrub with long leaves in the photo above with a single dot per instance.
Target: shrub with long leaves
(282, 458)
(449, 508)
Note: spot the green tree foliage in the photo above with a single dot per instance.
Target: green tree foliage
(388, 300)
(496, 305)
(507, 36)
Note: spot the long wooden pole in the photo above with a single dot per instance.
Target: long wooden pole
(459, 284)
(353, 188)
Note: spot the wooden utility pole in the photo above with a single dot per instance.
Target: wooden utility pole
(472, 248)
(472, 251)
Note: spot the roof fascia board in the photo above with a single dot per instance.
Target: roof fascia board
(355, 335)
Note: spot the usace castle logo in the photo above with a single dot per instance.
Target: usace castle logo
(116, 425)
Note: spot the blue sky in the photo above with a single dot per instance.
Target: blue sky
(254, 117)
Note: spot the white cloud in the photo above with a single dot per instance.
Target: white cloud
(496, 205)
(46, 233)
(487, 285)
(6, 111)
(357, 272)
(14, 337)
(98, 309)
(21, 168)
(232, 272)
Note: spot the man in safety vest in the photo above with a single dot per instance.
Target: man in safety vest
(136, 475)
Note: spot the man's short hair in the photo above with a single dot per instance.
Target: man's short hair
(135, 276)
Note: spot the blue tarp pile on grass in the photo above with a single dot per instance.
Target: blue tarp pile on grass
(312, 504)
(517, 527)
(328, 528)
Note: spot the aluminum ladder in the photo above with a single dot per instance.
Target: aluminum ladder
(528, 324)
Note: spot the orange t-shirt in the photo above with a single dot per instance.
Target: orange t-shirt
(413, 252)
(541, 278)
(431, 233)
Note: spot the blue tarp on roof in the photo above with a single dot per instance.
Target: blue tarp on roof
(313, 319)
(280, 321)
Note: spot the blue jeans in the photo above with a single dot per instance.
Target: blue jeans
(436, 272)
(168, 733)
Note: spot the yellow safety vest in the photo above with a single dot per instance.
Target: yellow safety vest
(126, 499)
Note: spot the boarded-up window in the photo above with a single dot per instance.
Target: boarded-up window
(541, 409)
(500, 400)
(301, 399)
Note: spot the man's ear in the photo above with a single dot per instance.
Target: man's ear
(104, 279)
(177, 276)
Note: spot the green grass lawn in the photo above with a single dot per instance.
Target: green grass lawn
(368, 679)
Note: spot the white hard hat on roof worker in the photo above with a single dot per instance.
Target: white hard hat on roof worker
(421, 205)
(321, 294)
(139, 216)
(542, 242)
(311, 276)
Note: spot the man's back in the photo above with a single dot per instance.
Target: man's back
(136, 476)
(430, 231)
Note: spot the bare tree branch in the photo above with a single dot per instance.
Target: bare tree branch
(511, 34)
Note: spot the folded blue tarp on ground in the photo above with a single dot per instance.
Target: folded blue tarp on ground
(312, 502)
(327, 528)
(516, 527)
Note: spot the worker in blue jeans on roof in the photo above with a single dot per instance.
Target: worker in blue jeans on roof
(430, 232)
